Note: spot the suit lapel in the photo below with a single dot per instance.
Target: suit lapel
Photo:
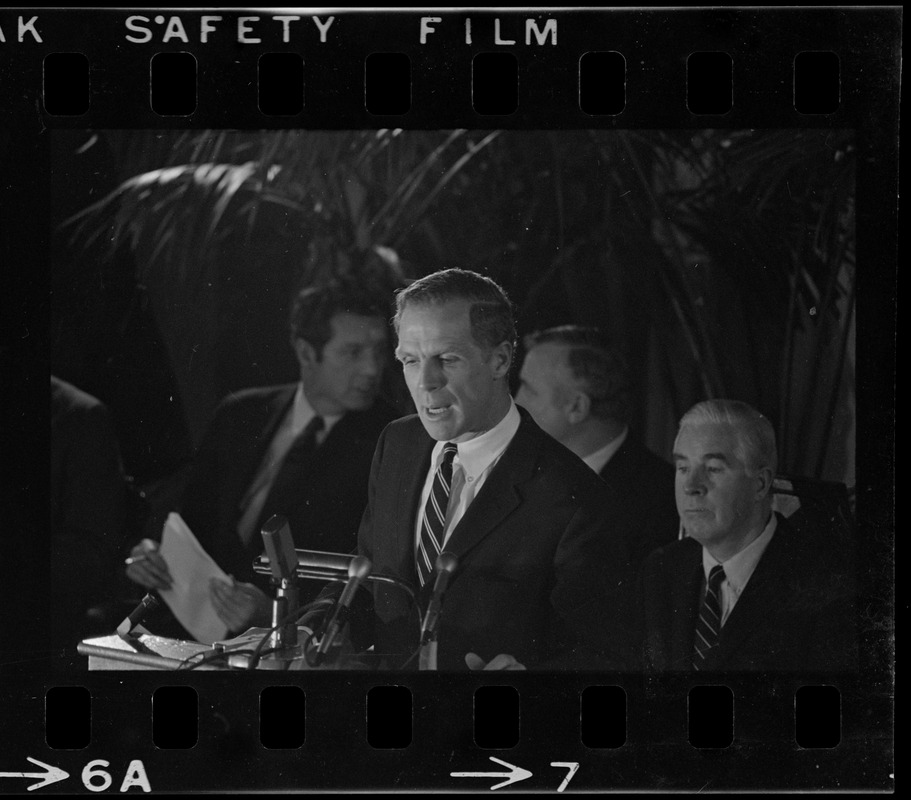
(355, 431)
(501, 493)
(257, 438)
(688, 589)
(263, 430)
(345, 436)
(345, 433)
(341, 439)
(408, 485)
(763, 593)
(278, 407)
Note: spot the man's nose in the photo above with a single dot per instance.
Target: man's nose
(430, 376)
(694, 482)
(372, 363)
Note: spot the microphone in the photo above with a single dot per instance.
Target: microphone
(446, 564)
(136, 616)
(358, 570)
(279, 547)
(311, 564)
(326, 566)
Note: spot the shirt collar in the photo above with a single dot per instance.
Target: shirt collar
(739, 568)
(477, 454)
(601, 456)
(302, 412)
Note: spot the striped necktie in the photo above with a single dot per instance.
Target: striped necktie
(434, 516)
(708, 628)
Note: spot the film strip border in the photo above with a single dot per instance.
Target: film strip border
(388, 82)
(496, 722)
(580, 732)
(790, 67)
(765, 751)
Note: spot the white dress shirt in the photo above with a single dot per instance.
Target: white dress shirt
(597, 460)
(470, 468)
(298, 417)
(739, 568)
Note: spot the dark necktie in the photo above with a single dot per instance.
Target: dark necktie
(434, 515)
(287, 484)
(708, 628)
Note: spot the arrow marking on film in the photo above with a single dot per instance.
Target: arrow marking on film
(514, 775)
(49, 776)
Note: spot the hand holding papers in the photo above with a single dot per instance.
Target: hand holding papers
(146, 567)
(239, 605)
(191, 570)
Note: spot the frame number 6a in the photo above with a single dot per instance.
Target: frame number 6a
(96, 779)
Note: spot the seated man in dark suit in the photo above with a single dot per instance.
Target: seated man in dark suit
(745, 591)
(472, 475)
(576, 387)
(302, 450)
(88, 507)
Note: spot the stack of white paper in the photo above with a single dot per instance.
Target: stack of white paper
(191, 568)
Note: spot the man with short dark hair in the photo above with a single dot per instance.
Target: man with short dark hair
(576, 387)
(302, 450)
(472, 475)
(744, 591)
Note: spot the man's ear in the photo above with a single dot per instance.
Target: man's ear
(764, 478)
(306, 354)
(500, 359)
(578, 408)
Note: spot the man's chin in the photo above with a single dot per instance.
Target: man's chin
(701, 533)
(443, 430)
(712, 540)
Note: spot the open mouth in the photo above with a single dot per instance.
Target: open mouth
(435, 412)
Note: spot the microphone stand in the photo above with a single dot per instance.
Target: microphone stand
(444, 567)
(332, 568)
(283, 641)
(427, 658)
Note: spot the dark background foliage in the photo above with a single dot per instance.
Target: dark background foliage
(721, 262)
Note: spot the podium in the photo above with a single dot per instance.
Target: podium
(149, 652)
(144, 652)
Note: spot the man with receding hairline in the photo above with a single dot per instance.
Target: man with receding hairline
(532, 528)
(576, 387)
(744, 591)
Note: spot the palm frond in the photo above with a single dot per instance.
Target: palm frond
(720, 240)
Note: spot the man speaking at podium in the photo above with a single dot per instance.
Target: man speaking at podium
(534, 534)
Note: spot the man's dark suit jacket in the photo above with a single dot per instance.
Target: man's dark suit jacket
(646, 484)
(534, 547)
(333, 493)
(88, 505)
(795, 614)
